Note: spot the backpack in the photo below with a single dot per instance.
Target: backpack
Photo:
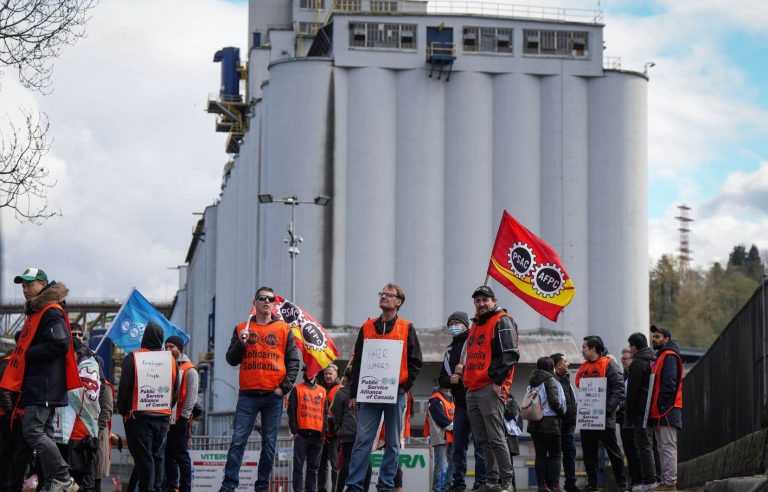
(531, 406)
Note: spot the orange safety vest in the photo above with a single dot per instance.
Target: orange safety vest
(2, 411)
(450, 408)
(332, 393)
(310, 407)
(14, 373)
(183, 369)
(263, 365)
(399, 332)
(479, 354)
(658, 367)
(594, 369)
(135, 402)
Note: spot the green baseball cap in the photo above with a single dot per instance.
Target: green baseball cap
(31, 274)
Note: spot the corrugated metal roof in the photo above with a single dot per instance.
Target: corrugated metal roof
(533, 344)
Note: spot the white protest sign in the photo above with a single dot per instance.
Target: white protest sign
(379, 371)
(590, 411)
(153, 379)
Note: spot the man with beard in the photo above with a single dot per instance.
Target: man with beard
(665, 414)
(42, 368)
(491, 355)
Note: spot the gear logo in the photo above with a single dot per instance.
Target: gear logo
(548, 280)
(522, 259)
(314, 338)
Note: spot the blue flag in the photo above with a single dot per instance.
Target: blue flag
(128, 326)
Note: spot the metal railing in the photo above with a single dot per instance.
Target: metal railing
(468, 7)
(612, 63)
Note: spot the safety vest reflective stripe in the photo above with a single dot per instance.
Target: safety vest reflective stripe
(310, 407)
(263, 365)
(399, 332)
(478, 353)
(594, 369)
(450, 408)
(658, 367)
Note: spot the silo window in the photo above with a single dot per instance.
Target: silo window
(531, 42)
(487, 40)
(381, 35)
(556, 43)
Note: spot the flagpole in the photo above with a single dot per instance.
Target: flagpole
(112, 325)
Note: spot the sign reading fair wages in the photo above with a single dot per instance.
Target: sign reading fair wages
(153, 378)
(590, 413)
(379, 371)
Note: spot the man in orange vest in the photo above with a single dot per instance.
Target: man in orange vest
(178, 466)
(42, 368)
(269, 361)
(307, 420)
(438, 426)
(145, 398)
(490, 356)
(330, 454)
(665, 414)
(597, 364)
(388, 326)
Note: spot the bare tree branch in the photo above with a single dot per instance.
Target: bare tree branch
(24, 180)
(33, 33)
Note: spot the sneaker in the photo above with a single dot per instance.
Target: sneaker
(68, 485)
(457, 488)
(479, 487)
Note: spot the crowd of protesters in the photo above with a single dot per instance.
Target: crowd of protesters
(56, 405)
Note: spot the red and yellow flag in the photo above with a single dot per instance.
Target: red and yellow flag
(317, 348)
(530, 268)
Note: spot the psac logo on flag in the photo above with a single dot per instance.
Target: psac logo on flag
(547, 279)
(133, 329)
(313, 337)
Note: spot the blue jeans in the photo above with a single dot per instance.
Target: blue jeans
(462, 433)
(443, 467)
(368, 417)
(568, 444)
(248, 406)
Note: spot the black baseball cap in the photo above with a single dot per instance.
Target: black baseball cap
(662, 330)
(484, 290)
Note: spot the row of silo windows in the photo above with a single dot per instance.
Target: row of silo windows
(474, 39)
(350, 5)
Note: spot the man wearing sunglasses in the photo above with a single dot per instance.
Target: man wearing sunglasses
(388, 326)
(269, 362)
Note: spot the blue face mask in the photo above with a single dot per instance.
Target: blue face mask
(455, 330)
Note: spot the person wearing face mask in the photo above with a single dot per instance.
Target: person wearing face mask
(307, 418)
(178, 466)
(451, 376)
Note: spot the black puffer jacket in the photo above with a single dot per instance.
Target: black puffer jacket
(637, 383)
(45, 381)
(549, 424)
(451, 358)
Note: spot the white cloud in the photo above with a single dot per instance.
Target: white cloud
(134, 153)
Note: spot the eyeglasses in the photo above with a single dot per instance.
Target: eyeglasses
(77, 334)
(265, 298)
(387, 295)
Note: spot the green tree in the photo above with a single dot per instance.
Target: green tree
(754, 267)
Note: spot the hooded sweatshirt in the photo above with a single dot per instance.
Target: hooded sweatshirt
(668, 388)
(638, 382)
(152, 340)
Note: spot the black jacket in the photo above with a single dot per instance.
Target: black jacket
(638, 379)
(293, 407)
(343, 418)
(569, 418)
(668, 389)
(615, 393)
(549, 424)
(413, 354)
(292, 359)
(152, 339)
(45, 380)
(504, 352)
(451, 358)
